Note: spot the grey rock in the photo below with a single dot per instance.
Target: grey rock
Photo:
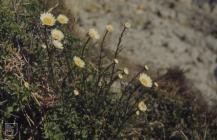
(164, 34)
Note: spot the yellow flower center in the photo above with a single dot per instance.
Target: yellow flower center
(142, 107)
(56, 36)
(144, 81)
(62, 20)
(79, 62)
(47, 21)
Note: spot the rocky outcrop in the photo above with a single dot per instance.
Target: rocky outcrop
(164, 34)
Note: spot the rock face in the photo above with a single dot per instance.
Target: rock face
(164, 34)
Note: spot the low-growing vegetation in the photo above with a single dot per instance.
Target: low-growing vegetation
(52, 90)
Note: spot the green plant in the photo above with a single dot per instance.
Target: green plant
(39, 77)
(85, 106)
(52, 89)
(175, 112)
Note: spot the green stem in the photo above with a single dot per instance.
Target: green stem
(100, 58)
(84, 47)
(117, 51)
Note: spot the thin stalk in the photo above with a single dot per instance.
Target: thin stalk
(133, 79)
(100, 58)
(50, 60)
(183, 134)
(106, 68)
(117, 51)
(101, 50)
(113, 64)
(84, 47)
(125, 90)
(127, 106)
(115, 56)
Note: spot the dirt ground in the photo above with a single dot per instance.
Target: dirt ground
(164, 34)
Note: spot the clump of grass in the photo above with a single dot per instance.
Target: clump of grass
(175, 112)
(84, 91)
(60, 93)
(52, 89)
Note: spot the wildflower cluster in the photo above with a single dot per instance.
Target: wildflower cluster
(48, 19)
(56, 86)
(92, 85)
(101, 79)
